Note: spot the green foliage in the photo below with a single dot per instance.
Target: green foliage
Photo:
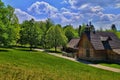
(81, 29)
(20, 64)
(9, 26)
(45, 27)
(70, 32)
(56, 37)
(113, 27)
(30, 33)
(118, 34)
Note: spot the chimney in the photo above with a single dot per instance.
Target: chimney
(92, 28)
(79, 30)
(90, 23)
(87, 31)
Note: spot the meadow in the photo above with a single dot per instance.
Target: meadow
(111, 65)
(22, 64)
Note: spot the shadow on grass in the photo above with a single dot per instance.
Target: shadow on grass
(106, 62)
(25, 49)
(109, 63)
(52, 51)
(4, 50)
(97, 62)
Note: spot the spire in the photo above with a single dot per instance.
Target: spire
(90, 23)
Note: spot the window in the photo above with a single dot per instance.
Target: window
(106, 45)
(87, 53)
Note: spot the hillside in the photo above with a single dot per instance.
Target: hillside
(21, 64)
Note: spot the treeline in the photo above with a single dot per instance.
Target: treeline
(44, 34)
(113, 29)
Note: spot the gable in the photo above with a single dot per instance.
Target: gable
(84, 42)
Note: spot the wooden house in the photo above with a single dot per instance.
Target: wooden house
(99, 46)
(72, 46)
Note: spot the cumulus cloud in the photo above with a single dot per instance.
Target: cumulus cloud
(106, 3)
(107, 17)
(71, 17)
(88, 8)
(96, 9)
(64, 2)
(117, 5)
(64, 9)
(22, 15)
(76, 12)
(42, 8)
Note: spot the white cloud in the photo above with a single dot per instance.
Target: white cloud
(78, 12)
(78, 3)
(42, 8)
(107, 17)
(88, 8)
(96, 9)
(84, 6)
(22, 15)
(64, 9)
(71, 17)
(64, 2)
(117, 5)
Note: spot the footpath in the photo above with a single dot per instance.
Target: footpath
(85, 62)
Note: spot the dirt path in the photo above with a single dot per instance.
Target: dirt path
(88, 63)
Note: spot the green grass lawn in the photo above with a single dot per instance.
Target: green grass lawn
(21, 64)
(111, 65)
(118, 34)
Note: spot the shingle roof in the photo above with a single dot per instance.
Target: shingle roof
(97, 38)
(73, 43)
(117, 51)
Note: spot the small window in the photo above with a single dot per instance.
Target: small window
(87, 53)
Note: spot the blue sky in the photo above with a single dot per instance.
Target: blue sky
(102, 13)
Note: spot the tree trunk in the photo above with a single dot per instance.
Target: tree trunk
(30, 47)
(55, 48)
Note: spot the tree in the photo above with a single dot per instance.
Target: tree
(45, 27)
(9, 25)
(30, 33)
(3, 12)
(13, 27)
(113, 27)
(56, 37)
(70, 32)
(81, 29)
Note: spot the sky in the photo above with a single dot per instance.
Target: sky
(102, 13)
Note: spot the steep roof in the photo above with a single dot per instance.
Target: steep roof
(73, 43)
(101, 40)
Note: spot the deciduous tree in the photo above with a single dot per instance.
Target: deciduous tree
(30, 33)
(56, 37)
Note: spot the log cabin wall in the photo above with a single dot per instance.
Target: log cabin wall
(85, 49)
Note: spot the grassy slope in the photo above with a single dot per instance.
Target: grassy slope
(23, 65)
(118, 34)
(111, 65)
